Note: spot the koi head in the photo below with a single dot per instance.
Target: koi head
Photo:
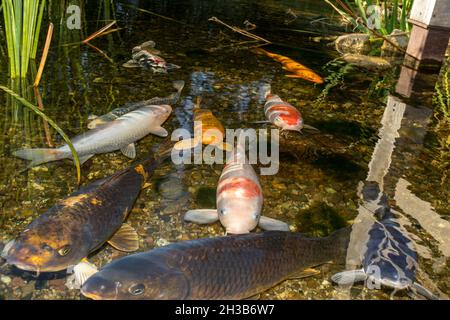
(160, 112)
(239, 205)
(135, 278)
(287, 124)
(239, 216)
(47, 247)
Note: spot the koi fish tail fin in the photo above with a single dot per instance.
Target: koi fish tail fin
(40, 155)
(259, 51)
(171, 66)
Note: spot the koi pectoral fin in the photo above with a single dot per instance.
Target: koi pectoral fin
(421, 290)
(267, 223)
(131, 64)
(85, 158)
(125, 239)
(201, 216)
(349, 277)
(309, 272)
(81, 273)
(308, 127)
(160, 132)
(129, 151)
(254, 297)
(261, 122)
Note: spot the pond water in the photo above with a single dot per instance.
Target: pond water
(316, 188)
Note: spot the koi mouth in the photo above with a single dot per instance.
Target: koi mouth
(91, 295)
(22, 265)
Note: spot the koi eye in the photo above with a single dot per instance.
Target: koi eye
(63, 251)
(46, 247)
(222, 212)
(137, 289)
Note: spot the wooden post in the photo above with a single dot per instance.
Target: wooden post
(413, 83)
(428, 41)
(430, 32)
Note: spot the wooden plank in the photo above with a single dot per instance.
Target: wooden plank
(427, 44)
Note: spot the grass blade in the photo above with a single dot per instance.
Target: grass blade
(99, 32)
(44, 55)
(51, 122)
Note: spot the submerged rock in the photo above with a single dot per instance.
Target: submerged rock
(364, 44)
(368, 62)
(356, 43)
(400, 39)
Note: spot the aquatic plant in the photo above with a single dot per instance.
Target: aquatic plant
(36, 110)
(365, 15)
(441, 102)
(442, 96)
(336, 70)
(22, 26)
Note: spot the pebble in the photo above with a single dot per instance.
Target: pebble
(330, 190)
(17, 282)
(161, 242)
(5, 279)
(27, 212)
(37, 186)
(150, 241)
(58, 284)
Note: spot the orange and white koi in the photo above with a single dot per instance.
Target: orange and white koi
(298, 70)
(239, 200)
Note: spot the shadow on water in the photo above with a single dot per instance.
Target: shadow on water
(340, 166)
(319, 220)
(352, 129)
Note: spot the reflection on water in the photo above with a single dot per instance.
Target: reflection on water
(315, 189)
(401, 138)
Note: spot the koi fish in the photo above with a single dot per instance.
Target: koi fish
(389, 260)
(282, 114)
(119, 134)
(239, 200)
(145, 55)
(231, 267)
(298, 70)
(117, 112)
(81, 223)
(209, 129)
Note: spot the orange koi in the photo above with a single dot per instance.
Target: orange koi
(209, 129)
(298, 70)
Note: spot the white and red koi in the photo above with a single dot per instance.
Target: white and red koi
(145, 55)
(239, 200)
(282, 114)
